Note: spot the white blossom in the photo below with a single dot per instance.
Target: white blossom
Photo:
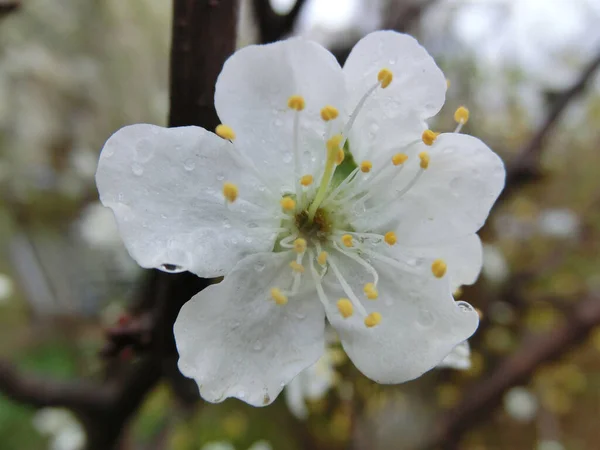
(322, 195)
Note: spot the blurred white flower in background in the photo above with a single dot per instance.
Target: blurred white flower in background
(224, 445)
(521, 404)
(550, 445)
(559, 223)
(458, 359)
(6, 288)
(495, 268)
(61, 426)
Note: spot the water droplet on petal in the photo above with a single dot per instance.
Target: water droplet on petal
(425, 318)
(252, 225)
(277, 122)
(241, 394)
(465, 307)
(189, 164)
(287, 158)
(121, 197)
(220, 177)
(300, 315)
(259, 266)
(248, 239)
(143, 150)
(137, 169)
(257, 346)
(226, 223)
(172, 268)
(235, 324)
(262, 188)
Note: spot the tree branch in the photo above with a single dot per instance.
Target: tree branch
(487, 394)
(273, 26)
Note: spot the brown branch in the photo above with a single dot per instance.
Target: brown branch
(271, 25)
(8, 6)
(487, 394)
(525, 167)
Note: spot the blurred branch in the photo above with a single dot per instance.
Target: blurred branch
(525, 167)
(483, 397)
(8, 6)
(271, 25)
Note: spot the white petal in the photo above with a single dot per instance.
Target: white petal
(459, 358)
(294, 397)
(463, 256)
(451, 199)
(416, 92)
(164, 186)
(251, 96)
(234, 341)
(421, 323)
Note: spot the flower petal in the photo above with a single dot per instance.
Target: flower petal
(417, 91)
(252, 93)
(463, 257)
(420, 321)
(164, 186)
(451, 199)
(459, 358)
(234, 341)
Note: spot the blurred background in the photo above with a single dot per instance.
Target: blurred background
(74, 71)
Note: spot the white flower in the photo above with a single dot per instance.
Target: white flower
(375, 243)
(459, 358)
(64, 429)
(520, 404)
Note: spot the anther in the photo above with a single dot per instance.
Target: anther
(390, 238)
(288, 203)
(385, 77)
(278, 296)
(339, 158)
(329, 113)
(399, 158)
(300, 245)
(424, 157)
(371, 291)
(225, 132)
(297, 267)
(461, 115)
(322, 258)
(296, 102)
(366, 166)
(372, 319)
(345, 307)
(230, 192)
(429, 137)
(438, 268)
(306, 180)
(347, 240)
(333, 143)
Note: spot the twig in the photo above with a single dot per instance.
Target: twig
(273, 26)
(8, 6)
(484, 396)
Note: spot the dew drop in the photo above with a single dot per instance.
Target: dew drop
(300, 315)
(121, 197)
(374, 128)
(425, 318)
(235, 324)
(252, 225)
(220, 176)
(137, 169)
(257, 346)
(259, 267)
(189, 164)
(277, 122)
(143, 150)
(178, 147)
(262, 188)
(226, 223)
(108, 151)
(163, 216)
(172, 268)
(388, 301)
(248, 239)
(465, 307)
(234, 241)
(287, 158)
(241, 395)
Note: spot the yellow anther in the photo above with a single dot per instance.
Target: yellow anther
(278, 296)
(296, 267)
(458, 292)
(329, 113)
(347, 240)
(322, 258)
(306, 180)
(372, 319)
(345, 307)
(385, 77)
(371, 291)
(287, 203)
(333, 143)
(225, 131)
(390, 238)
(429, 137)
(424, 157)
(230, 191)
(461, 115)
(438, 268)
(296, 102)
(399, 158)
(339, 158)
(300, 245)
(366, 166)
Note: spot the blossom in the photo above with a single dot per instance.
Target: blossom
(63, 428)
(459, 358)
(322, 195)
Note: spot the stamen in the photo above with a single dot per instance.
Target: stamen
(429, 137)
(390, 238)
(287, 203)
(322, 258)
(399, 158)
(461, 116)
(300, 245)
(297, 267)
(230, 192)
(329, 113)
(359, 260)
(345, 307)
(333, 147)
(385, 77)
(225, 132)
(278, 296)
(306, 180)
(339, 158)
(366, 166)
(438, 268)
(296, 102)
(372, 319)
(347, 240)
(346, 287)
(371, 291)
(317, 279)
(286, 241)
(425, 158)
